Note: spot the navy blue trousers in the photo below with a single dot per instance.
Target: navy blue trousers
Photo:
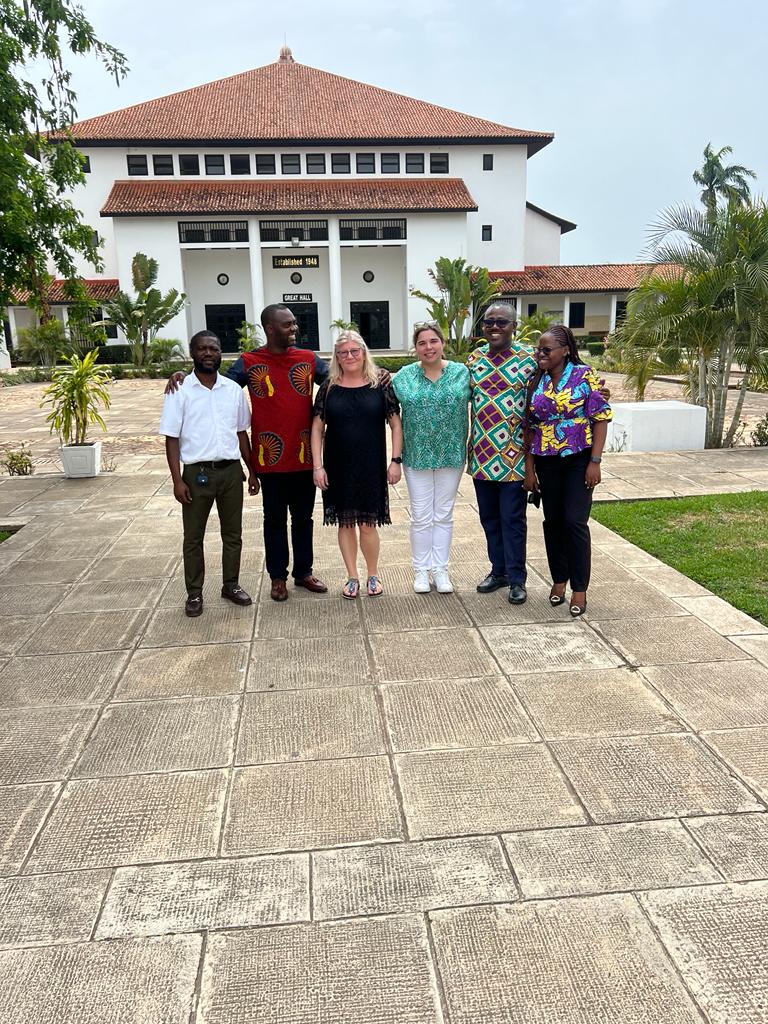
(502, 508)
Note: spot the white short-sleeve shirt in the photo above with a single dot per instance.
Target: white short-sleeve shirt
(206, 420)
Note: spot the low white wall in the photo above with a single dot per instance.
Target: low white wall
(656, 427)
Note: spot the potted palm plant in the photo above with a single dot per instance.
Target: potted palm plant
(78, 389)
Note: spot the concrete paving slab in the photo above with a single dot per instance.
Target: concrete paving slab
(300, 664)
(15, 630)
(629, 601)
(220, 623)
(175, 594)
(197, 671)
(396, 612)
(635, 778)
(736, 843)
(60, 679)
(671, 582)
(152, 980)
(432, 714)
(68, 632)
(667, 641)
(369, 972)
(341, 803)
(580, 961)
(161, 736)
(44, 910)
(605, 702)
(108, 822)
(36, 599)
(722, 616)
(468, 792)
(141, 567)
(309, 725)
(551, 648)
(715, 695)
(300, 619)
(402, 878)
(755, 646)
(113, 595)
(495, 610)
(41, 744)
(433, 654)
(717, 937)
(606, 858)
(28, 570)
(184, 897)
(604, 570)
(746, 750)
(22, 811)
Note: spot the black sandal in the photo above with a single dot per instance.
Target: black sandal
(578, 610)
(556, 600)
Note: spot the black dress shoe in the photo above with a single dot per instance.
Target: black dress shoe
(236, 595)
(517, 594)
(194, 605)
(491, 583)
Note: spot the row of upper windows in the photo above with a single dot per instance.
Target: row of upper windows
(290, 163)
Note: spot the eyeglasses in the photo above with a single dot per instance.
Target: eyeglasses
(548, 351)
(348, 353)
(499, 321)
(425, 323)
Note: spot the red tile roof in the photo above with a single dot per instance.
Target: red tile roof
(290, 103)
(367, 195)
(99, 289)
(605, 277)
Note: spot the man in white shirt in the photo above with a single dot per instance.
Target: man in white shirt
(205, 423)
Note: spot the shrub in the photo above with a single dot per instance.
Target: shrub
(595, 347)
(163, 350)
(44, 343)
(393, 363)
(760, 433)
(18, 461)
(112, 354)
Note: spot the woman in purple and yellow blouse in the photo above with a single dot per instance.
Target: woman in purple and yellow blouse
(566, 425)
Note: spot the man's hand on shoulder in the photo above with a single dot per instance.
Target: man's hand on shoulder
(174, 382)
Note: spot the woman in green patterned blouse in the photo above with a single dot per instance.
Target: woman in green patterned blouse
(433, 394)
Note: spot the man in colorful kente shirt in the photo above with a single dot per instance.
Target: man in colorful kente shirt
(499, 372)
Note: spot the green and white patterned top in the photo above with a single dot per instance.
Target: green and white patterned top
(434, 415)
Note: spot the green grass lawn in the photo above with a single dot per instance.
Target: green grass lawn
(4, 536)
(721, 541)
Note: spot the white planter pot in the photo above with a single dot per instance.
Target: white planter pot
(81, 459)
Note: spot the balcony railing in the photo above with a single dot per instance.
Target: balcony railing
(376, 229)
(213, 231)
(285, 230)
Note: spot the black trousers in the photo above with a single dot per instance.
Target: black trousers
(502, 508)
(567, 503)
(281, 493)
(225, 487)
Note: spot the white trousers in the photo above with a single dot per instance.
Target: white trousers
(432, 494)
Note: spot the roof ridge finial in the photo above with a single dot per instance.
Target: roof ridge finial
(286, 57)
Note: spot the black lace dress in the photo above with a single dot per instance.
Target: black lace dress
(355, 453)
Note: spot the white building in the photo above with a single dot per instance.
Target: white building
(289, 184)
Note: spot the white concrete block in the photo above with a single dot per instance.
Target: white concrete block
(656, 427)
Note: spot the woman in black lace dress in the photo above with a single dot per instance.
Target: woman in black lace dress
(349, 452)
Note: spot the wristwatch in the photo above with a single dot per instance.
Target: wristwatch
(398, 460)
(594, 458)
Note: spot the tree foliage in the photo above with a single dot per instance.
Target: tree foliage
(721, 181)
(76, 393)
(38, 162)
(464, 292)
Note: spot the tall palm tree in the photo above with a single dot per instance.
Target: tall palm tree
(720, 181)
(465, 292)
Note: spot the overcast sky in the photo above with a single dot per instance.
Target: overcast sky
(632, 89)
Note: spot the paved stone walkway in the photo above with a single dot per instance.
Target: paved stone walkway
(404, 809)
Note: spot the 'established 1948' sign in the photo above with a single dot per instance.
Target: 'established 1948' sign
(290, 262)
(297, 297)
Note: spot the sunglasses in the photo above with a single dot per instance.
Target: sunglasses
(425, 323)
(548, 351)
(499, 321)
(349, 353)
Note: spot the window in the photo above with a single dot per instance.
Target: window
(189, 164)
(315, 163)
(414, 163)
(366, 163)
(438, 163)
(374, 228)
(162, 163)
(95, 239)
(265, 163)
(621, 310)
(532, 307)
(487, 234)
(239, 163)
(110, 330)
(390, 163)
(213, 231)
(86, 163)
(576, 314)
(487, 161)
(137, 165)
(340, 163)
(214, 164)
(290, 163)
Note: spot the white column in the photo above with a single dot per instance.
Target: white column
(566, 309)
(257, 274)
(5, 355)
(612, 322)
(334, 269)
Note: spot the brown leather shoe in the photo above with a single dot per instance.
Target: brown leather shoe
(279, 591)
(194, 605)
(313, 584)
(236, 595)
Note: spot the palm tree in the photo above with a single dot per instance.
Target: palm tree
(464, 292)
(720, 181)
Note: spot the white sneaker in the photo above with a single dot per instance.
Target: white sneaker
(421, 582)
(442, 581)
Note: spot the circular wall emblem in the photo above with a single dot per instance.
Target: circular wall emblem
(368, 276)
(296, 277)
(223, 279)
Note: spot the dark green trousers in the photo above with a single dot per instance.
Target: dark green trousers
(225, 487)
